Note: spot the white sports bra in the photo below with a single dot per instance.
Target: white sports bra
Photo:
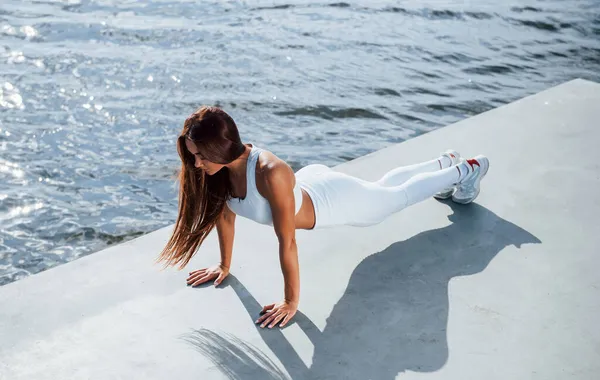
(254, 206)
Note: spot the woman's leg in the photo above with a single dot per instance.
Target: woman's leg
(374, 203)
(402, 174)
(347, 200)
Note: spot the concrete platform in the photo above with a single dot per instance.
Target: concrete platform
(505, 288)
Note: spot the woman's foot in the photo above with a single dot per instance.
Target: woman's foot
(455, 159)
(468, 188)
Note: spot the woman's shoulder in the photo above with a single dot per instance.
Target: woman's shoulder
(272, 169)
(269, 161)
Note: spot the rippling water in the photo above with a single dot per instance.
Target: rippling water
(93, 94)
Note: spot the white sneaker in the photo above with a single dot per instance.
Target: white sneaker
(468, 189)
(454, 156)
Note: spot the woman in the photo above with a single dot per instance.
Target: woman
(221, 177)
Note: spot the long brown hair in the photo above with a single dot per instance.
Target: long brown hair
(202, 197)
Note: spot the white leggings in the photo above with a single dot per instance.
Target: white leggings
(341, 199)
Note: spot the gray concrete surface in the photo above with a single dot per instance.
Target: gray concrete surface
(505, 288)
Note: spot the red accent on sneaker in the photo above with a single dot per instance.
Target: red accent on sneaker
(472, 162)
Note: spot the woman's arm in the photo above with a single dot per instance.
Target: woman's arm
(279, 181)
(225, 230)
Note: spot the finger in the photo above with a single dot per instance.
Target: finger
(277, 318)
(189, 280)
(219, 279)
(287, 319)
(268, 307)
(272, 317)
(201, 280)
(197, 271)
(203, 270)
(266, 315)
(196, 276)
(268, 320)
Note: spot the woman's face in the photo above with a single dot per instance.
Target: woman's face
(200, 162)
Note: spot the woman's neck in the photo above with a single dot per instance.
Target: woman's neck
(237, 168)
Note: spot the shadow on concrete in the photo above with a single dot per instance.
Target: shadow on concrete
(393, 314)
(237, 359)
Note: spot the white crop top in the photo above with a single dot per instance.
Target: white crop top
(254, 206)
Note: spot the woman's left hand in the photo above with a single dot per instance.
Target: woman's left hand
(276, 312)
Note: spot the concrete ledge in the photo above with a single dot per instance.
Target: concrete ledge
(505, 288)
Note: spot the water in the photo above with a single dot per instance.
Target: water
(93, 94)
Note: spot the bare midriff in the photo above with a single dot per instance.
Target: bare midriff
(305, 218)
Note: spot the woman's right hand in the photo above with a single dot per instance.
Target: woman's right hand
(203, 275)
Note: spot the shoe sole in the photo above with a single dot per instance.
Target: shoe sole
(445, 195)
(467, 201)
